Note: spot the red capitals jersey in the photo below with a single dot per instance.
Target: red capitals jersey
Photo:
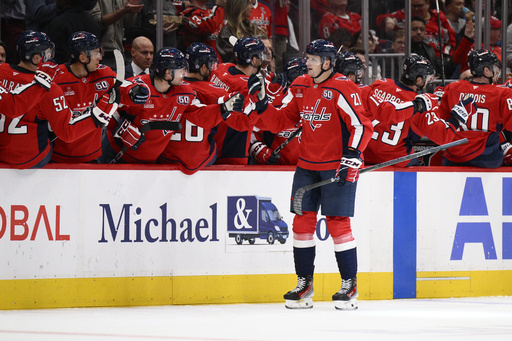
(80, 94)
(460, 56)
(394, 138)
(193, 147)
(332, 117)
(16, 102)
(203, 25)
(233, 136)
(431, 30)
(24, 140)
(494, 105)
(261, 16)
(331, 22)
(177, 102)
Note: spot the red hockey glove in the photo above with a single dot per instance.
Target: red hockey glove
(507, 153)
(263, 155)
(104, 110)
(439, 92)
(45, 74)
(129, 134)
(348, 169)
(424, 102)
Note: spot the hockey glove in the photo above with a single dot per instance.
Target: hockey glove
(507, 153)
(280, 78)
(464, 109)
(45, 74)
(424, 102)
(256, 86)
(232, 102)
(349, 166)
(439, 92)
(103, 111)
(139, 94)
(129, 134)
(263, 155)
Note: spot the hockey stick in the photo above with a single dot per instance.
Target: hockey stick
(440, 42)
(154, 125)
(288, 140)
(299, 194)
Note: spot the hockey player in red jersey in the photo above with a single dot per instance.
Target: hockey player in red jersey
(18, 101)
(265, 142)
(494, 111)
(335, 132)
(169, 100)
(233, 136)
(25, 142)
(193, 147)
(84, 80)
(393, 138)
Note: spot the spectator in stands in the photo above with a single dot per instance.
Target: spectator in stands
(145, 23)
(3, 56)
(418, 44)
(467, 43)
(420, 8)
(13, 25)
(237, 14)
(113, 17)
(262, 17)
(201, 24)
(39, 13)
(142, 57)
(337, 17)
(455, 14)
(71, 17)
(341, 38)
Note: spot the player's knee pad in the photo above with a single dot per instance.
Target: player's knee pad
(341, 232)
(305, 223)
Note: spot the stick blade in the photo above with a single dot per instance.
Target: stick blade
(119, 67)
(297, 201)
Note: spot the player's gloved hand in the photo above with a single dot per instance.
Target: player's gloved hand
(45, 74)
(129, 134)
(232, 102)
(464, 109)
(256, 86)
(139, 93)
(279, 78)
(424, 102)
(348, 169)
(439, 92)
(507, 153)
(104, 109)
(263, 154)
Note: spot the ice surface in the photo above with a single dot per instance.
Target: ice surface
(482, 319)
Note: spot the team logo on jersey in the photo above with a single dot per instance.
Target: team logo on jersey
(149, 104)
(69, 91)
(327, 94)
(313, 115)
(183, 100)
(299, 93)
(101, 86)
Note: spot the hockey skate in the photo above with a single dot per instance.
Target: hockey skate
(301, 296)
(346, 298)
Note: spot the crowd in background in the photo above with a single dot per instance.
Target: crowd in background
(130, 26)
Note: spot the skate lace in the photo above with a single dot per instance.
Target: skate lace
(346, 286)
(300, 285)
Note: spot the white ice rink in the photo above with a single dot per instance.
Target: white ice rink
(482, 319)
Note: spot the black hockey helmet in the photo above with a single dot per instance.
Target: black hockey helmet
(479, 59)
(82, 41)
(294, 68)
(417, 66)
(198, 54)
(168, 58)
(247, 47)
(323, 48)
(31, 42)
(348, 63)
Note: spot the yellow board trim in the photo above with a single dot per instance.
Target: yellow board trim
(181, 290)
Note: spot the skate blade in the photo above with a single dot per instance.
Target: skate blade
(305, 303)
(346, 305)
